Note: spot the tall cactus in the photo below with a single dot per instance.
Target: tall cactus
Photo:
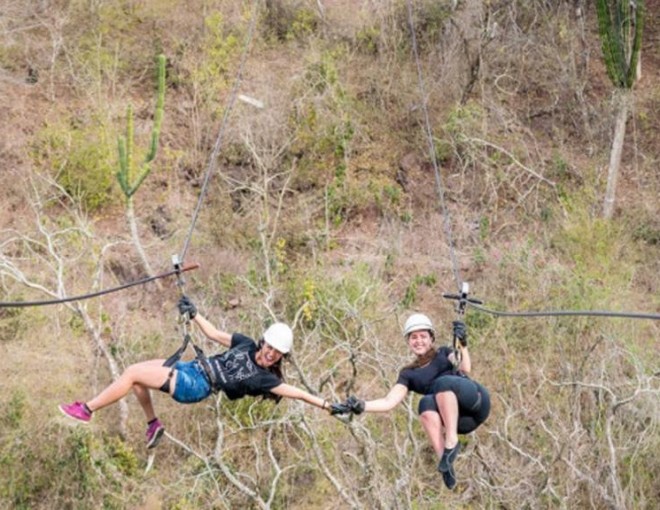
(125, 143)
(129, 182)
(620, 25)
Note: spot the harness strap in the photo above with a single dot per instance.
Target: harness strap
(171, 361)
(200, 357)
(208, 370)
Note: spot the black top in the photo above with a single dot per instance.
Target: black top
(237, 371)
(419, 379)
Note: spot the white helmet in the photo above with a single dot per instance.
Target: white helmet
(418, 322)
(279, 336)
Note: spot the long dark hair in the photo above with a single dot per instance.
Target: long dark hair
(425, 358)
(277, 369)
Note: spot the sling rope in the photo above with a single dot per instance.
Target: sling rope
(211, 166)
(462, 297)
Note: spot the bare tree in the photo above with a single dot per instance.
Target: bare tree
(620, 25)
(48, 259)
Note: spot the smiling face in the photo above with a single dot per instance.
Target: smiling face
(267, 356)
(420, 342)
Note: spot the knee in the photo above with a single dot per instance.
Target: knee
(431, 420)
(428, 417)
(132, 371)
(442, 397)
(427, 403)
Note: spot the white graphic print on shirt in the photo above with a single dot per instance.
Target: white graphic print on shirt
(237, 366)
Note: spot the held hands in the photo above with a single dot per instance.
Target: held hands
(352, 405)
(186, 307)
(460, 332)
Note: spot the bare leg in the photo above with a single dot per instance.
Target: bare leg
(433, 426)
(148, 374)
(144, 398)
(448, 407)
(143, 394)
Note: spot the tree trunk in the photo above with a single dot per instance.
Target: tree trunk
(100, 344)
(623, 99)
(132, 225)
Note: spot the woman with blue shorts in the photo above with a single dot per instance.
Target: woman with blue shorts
(452, 403)
(247, 368)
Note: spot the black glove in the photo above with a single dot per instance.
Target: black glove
(356, 405)
(339, 408)
(187, 307)
(352, 405)
(460, 332)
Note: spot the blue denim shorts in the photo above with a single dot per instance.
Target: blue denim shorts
(191, 383)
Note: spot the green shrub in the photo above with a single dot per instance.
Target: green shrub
(286, 21)
(429, 18)
(12, 415)
(215, 66)
(78, 154)
(410, 296)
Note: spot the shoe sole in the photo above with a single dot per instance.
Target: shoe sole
(156, 438)
(77, 420)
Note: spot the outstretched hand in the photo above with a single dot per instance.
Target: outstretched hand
(357, 406)
(460, 332)
(339, 408)
(352, 405)
(187, 307)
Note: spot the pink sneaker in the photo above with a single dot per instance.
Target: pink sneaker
(155, 432)
(77, 411)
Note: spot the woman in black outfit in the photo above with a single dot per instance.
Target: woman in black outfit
(452, 403)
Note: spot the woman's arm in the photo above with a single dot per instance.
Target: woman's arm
(288, 391)
(390, 401)
(466, 362)
(211, 332)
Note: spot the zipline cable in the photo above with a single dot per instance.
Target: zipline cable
(223, 124)
(464, 300)
(560, 313)
(432, 152)
(21, 304)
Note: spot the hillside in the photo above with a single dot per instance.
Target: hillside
(325, 209)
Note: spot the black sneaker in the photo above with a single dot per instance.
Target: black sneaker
(448, 458)
(449, 477)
